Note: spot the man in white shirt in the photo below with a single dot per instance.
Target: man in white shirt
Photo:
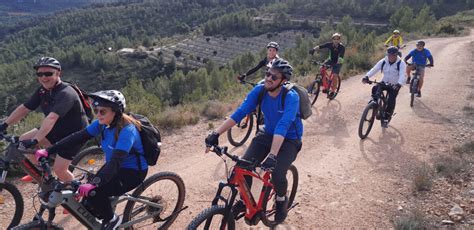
(393, 69)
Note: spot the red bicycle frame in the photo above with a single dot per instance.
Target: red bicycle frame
(325, 78)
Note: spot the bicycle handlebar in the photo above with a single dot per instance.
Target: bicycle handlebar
(10, 138)
(223, 151)
(316, 62)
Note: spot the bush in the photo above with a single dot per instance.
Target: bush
(465, 148)
(215, 109)
(448, 166)
(175, 117)
(413, 221)
(423, 178)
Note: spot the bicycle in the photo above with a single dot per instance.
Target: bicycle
(240, 133)
(325, 79)
(53, 193)
(375, 109)
(415, 81)
(256, 211)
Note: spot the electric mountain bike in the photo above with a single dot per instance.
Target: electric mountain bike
(375, 109)
(324, 78)
(220, 215)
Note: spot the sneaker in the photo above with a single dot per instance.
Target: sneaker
(408, 80)
(385, 123)
(112, 224)
(418, 94)
(238, 208)
(281, 210)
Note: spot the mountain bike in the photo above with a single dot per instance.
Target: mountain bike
(220, 216)
(325, 79)
(240, 133)
(415, 81)
(375, 109)
(149, 203)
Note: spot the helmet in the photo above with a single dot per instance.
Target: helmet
(109, 98)
(420, 42)
(392, 50)
(47, 62)
(273, 45)
(396, 32)
(283, 67)
(336, 35)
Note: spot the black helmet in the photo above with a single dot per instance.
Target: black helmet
(392, 50)
(109, 98)
(47, 62)
(273, 45)
(420, 42)
(283, 67)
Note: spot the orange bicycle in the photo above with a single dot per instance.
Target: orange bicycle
(324, 78)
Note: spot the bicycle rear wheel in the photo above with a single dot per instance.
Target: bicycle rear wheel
(91, 159)
(413, 90)
(269, 203)
(37, 225)
(166, 189)
(212, 218)
(367, 120)
(313, 90)
(239, 134)
(11, 205)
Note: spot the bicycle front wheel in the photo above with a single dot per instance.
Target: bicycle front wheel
(337, 86)
(269, 203)
(11, 205)
(240, 133)
(37, 225)
(91, 159)
(167, 191)
(413, 90)
(367, 120)
(313, 91)
(212, 218)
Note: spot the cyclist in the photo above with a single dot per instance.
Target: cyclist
(335, 59)
(395, 40)
(63, 113)
(280, 141)
(125, 166)
(393, 69)
(419, 56)
(272, 54)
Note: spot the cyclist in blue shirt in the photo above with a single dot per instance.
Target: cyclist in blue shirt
(280, 141)
(419, 57)
(125, 166)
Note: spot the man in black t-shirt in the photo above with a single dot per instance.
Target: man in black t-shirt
(335, 59)
(272, 54)
(63, 113)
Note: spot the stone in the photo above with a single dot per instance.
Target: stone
(400, 208)
(456, 213)
(447, 222)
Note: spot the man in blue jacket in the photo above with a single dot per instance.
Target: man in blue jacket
(419, 56)
(280, 141)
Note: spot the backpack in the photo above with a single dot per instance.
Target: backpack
(398, 65)
(84, 100)
(305, 102)
(151, 140)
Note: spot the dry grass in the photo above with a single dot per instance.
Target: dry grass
(423, 179)
(412, 221)
(176, 117)
(449, 166)
(215, 109)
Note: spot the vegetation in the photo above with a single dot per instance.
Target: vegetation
(423, 178)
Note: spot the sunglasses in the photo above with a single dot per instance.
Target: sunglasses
(101, 112)
(273, 76)
(44, 74)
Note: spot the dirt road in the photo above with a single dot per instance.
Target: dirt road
(344, 182)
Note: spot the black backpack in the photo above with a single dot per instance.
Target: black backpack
(151, 140)
(84, 101)
(398, 65)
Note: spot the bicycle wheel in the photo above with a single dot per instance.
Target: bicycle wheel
(37, 225)
(11, 204)
(91, 158)
(239, 134)
(367, 119)
(212, 218)
(413, 90)
(269, 204)
(313, 91)
(338, 87)
(167, 190)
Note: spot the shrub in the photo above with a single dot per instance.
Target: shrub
(215, 109)
(448, 166)
(423, 178)
(412, 221)
(175, 118)
(465, 148)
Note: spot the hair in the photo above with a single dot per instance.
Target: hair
(124, 121)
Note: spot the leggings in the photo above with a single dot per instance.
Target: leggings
(258, 151)
(125, 180)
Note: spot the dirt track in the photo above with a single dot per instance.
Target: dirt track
(344, 182)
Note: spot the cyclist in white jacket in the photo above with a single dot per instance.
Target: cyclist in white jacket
(393, 69)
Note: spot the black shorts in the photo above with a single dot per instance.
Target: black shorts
(71, 151)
